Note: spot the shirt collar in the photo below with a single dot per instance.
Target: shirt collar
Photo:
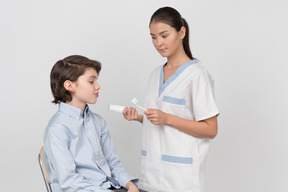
(72, 111)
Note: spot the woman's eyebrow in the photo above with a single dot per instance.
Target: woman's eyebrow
(163, 32)
(159, 33)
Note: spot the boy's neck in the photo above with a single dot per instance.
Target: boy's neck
(81, 106)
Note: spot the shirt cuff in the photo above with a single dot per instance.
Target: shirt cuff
(125, 178)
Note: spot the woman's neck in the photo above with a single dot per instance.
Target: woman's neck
(177, 59)
(177, 62)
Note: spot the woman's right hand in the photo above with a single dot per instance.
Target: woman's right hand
(132, 114)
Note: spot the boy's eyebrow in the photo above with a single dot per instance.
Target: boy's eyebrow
(93, 76)
(159, 33)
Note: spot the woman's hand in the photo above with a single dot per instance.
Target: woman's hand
(157, 117)
(132, 114)
(206, 128)
(131, 187)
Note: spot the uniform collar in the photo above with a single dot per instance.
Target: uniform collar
(162, 85)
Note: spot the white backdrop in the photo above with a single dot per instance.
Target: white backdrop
(244, 44)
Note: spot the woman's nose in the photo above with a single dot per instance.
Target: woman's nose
(159, 42)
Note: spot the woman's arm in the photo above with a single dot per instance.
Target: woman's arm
(206, 128)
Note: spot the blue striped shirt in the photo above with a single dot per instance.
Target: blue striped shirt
(80, 152)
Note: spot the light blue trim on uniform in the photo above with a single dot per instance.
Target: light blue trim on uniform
(174, 100)
(173, 159)
(162, 86)
(143, 152)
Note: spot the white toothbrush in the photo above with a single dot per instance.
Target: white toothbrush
(135, 102)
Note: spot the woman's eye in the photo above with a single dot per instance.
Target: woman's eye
(164, 36)
(153, 37)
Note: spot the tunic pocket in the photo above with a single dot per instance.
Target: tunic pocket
(177, 174)
(173, 105)
(174, 100)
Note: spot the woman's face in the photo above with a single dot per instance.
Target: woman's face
(166, 40)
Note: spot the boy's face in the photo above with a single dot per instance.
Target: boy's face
(85, 89)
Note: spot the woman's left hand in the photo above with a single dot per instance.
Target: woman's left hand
(157, 117)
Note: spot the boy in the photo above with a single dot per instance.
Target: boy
(77, 142)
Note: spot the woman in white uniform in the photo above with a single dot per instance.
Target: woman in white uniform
(181, 115)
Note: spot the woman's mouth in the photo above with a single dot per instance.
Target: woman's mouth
(162, 50)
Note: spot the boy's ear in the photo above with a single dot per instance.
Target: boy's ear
(68, 85)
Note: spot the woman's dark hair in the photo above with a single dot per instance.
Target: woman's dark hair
(172, 17)
(69, 68)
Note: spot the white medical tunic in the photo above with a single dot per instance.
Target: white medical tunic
(173, 161)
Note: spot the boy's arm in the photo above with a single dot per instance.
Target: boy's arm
(117, 169)
(131, 187)
(56, 146)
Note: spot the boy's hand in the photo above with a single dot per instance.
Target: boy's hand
(131, 187)
(132, 114)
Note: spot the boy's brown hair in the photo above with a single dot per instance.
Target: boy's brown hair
(69, 68)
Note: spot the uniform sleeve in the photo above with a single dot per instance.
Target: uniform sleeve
(117, 169)
(57, 148)
(203, 97)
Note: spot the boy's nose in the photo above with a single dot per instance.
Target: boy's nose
(97, 86)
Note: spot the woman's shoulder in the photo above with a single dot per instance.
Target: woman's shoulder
(199, 71)
(157, 69)
(197, 68)
(155, 72)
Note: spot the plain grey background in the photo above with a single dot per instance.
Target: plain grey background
(244, 44)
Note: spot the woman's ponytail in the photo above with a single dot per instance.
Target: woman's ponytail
(186, 40)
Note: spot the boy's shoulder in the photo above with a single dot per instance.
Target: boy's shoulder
(63, 120)
(59, 120)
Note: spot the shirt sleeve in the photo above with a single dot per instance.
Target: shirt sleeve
(203, 97)
(57, 148)
(117, 169)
